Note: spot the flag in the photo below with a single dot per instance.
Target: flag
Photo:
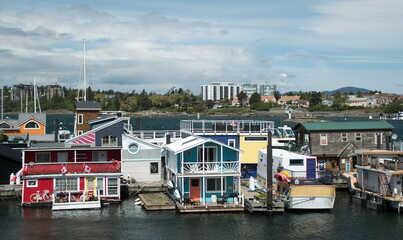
(87, 169)
(232, 124)
(86, 139)
(63, 169)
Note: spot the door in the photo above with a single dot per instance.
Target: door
(311, 168)
(90, 185)
(348, 166)
(195, 188)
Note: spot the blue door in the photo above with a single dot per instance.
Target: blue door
(311, 168)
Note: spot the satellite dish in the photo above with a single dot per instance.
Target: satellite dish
(394, 136)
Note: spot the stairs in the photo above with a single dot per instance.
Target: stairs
(384, 186)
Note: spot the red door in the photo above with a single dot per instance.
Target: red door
(195, 189)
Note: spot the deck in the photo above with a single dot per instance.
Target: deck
(157, 201)
(209, 207)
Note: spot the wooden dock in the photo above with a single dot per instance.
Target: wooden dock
(157, 201)
(10, 191)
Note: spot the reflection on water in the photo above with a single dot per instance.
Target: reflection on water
(130, 221)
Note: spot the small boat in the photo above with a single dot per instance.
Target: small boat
(308, 194)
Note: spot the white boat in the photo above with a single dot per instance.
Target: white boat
(76, 200)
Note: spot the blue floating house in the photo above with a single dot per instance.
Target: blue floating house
(206, 174)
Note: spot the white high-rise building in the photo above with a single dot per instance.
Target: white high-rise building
(220, 91)
(267, 90)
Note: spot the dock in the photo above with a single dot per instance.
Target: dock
(10, 191)
(157, 201)
(254, 204)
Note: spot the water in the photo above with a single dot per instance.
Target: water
(130, 221)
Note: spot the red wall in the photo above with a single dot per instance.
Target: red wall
(43, 184)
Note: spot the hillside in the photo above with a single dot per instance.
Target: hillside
(347, 90)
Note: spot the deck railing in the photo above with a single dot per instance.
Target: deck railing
(211, 167)
(225, 126)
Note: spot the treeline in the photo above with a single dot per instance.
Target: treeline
(179, 100)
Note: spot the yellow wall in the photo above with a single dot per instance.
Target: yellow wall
(251, 149)
(40, 130)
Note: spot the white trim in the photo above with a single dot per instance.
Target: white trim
(34, 185)
(38, 127)
(80, 117)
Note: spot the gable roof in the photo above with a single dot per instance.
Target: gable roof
(24, 117)
(139, 140)
(337, 126)
(71, 140)
(191, 142)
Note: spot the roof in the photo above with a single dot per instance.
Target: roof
(286, 154)
(191, 142)
(40, 117)
(134, 138)
(93, 105)
(335, 126)
(101, 119)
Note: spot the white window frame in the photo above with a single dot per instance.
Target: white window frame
(323, 139)
(110, 187)
(35, 181)
(100, 187)
(217, 187)
(358, 136)
(80, 132)
(36, 125)
(231, 142)
(206, 158)
(297, 164)
(306, 138)
(344, 137)
(106, 141)
(72, 184)
(43, 153)
(80, 118)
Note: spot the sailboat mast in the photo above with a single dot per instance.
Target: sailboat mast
(34, 96)
(84, 74)
(2, 99)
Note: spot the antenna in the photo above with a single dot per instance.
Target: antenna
(34, 95)
(2, 99)
(84, 73)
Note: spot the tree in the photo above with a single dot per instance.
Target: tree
(254, 98)
(316, 98)
(277, 95)
(242, 97)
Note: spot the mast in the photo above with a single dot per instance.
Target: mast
(2, 99)
(84, 73)
(34, 95)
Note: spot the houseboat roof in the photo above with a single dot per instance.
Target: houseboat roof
(193, 141)
(135, 138)
(377, 152)
(285, 153)
(345, 125)
(88, 105)
(40, 117)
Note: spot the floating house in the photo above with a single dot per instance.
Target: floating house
(205, 173)
(379, 179)
(246, 135)
(333, 143)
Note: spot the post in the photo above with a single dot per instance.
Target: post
(269, 181)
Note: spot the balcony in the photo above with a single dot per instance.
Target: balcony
(56, 168)
(201, 127)
(211, 167)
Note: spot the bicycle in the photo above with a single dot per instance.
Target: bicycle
(44, 197)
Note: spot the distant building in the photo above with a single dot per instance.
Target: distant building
(250, 89)
(360, 102)
(55, 90)
(267, 90)
(21, 90)
(220, 91)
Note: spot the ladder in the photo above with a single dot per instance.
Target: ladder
(384, 186)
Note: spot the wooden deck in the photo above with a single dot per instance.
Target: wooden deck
(156, 201)
(209, 207)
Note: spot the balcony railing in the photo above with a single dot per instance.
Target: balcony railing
(211, 167)
(82, 167)
(226, 126)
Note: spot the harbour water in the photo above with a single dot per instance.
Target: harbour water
(130, 221)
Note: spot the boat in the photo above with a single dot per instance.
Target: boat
(76, 200)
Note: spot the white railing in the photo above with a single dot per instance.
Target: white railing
(211, 167)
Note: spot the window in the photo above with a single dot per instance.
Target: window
(231, 142)
(214, 184)
(358, 137)
(306, 138)
(112, 186)
(32, 183)
(133, 148)
(100, 186)
(66, 184)
(296, 162)
(62, 156)
(79, 132)
(109, 141)
(323, 139)
(321, 164)
(207, 154)
(80, 119)
(99, 156)
(344, 137)
(31, 125)
(154, 167)
(250, 139)
(5, 125)
(42, 157)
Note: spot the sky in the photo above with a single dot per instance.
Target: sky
(155, 45)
